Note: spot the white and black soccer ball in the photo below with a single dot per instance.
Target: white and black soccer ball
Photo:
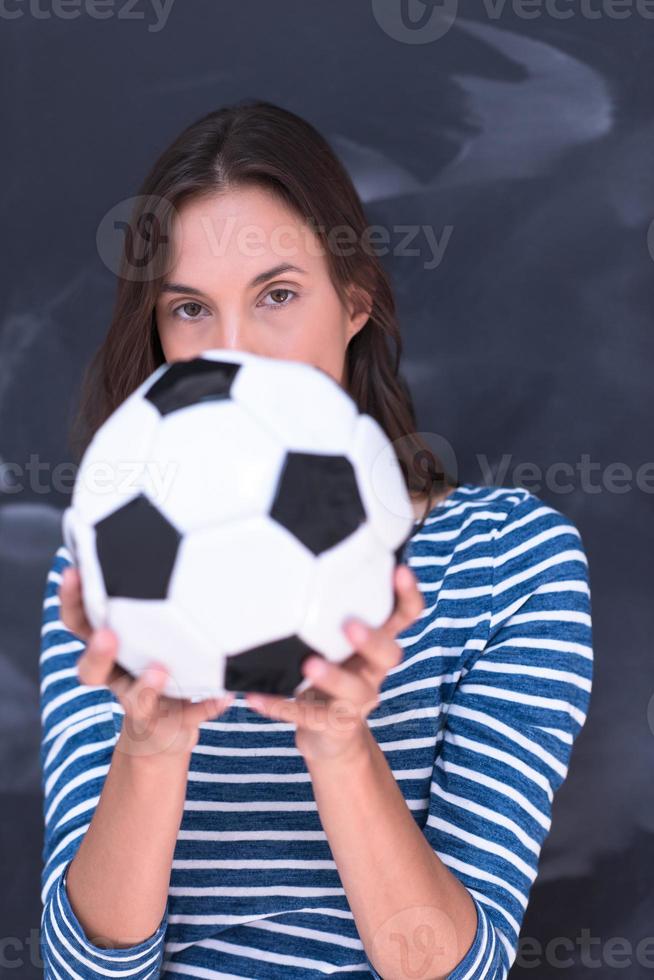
(229, 517)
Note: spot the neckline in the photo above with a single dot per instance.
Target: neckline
(442, 503)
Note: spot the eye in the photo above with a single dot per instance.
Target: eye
(277, 290)
(181, 307)
(197, 307)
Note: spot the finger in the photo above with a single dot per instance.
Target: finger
(73, 615)
(141, 696)
(410, 601)
(305, 712)
(334, 680)
(274, 706)
(120, 682)
(209, 708)
(313, 695)
(97, 665)
(378, 650)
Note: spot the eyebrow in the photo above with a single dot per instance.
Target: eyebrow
(178, 287)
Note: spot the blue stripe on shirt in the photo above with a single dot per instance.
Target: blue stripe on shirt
(477, 723)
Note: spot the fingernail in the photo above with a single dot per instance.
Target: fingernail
(315, 666)
(154, 676)
(103, 641)
(357, 631)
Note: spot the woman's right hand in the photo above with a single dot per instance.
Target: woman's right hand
(154, 725)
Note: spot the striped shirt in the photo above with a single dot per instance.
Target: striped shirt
(477, 723)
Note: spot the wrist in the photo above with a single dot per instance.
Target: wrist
(349, 756)
(144, 757)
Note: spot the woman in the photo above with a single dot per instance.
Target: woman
(388, 820)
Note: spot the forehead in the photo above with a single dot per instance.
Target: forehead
(245, 229)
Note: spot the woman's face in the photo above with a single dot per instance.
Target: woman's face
(231, 285)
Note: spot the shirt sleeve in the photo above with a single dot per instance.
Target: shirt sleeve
(77, 741)
(517, 708)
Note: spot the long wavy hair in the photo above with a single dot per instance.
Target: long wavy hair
(257, 143)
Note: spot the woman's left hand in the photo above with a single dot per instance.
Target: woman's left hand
(330, 716)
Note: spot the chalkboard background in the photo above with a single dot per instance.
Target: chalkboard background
(526, 144)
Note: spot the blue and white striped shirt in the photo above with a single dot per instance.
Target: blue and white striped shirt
(477, 723)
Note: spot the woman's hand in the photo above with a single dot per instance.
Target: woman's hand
(330, 717)
(154, 725)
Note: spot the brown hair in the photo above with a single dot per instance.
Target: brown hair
(257, 142)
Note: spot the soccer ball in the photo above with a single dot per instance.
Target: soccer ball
(228, 518)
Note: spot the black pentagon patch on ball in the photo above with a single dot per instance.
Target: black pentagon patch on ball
(136, 548)
(190, 382)
(272, 668)
(318, 499)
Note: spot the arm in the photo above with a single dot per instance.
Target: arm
(119, 877)
(396, 884)
(517, 708)
(109, 829)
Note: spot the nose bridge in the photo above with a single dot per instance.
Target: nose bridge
(234, 331)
